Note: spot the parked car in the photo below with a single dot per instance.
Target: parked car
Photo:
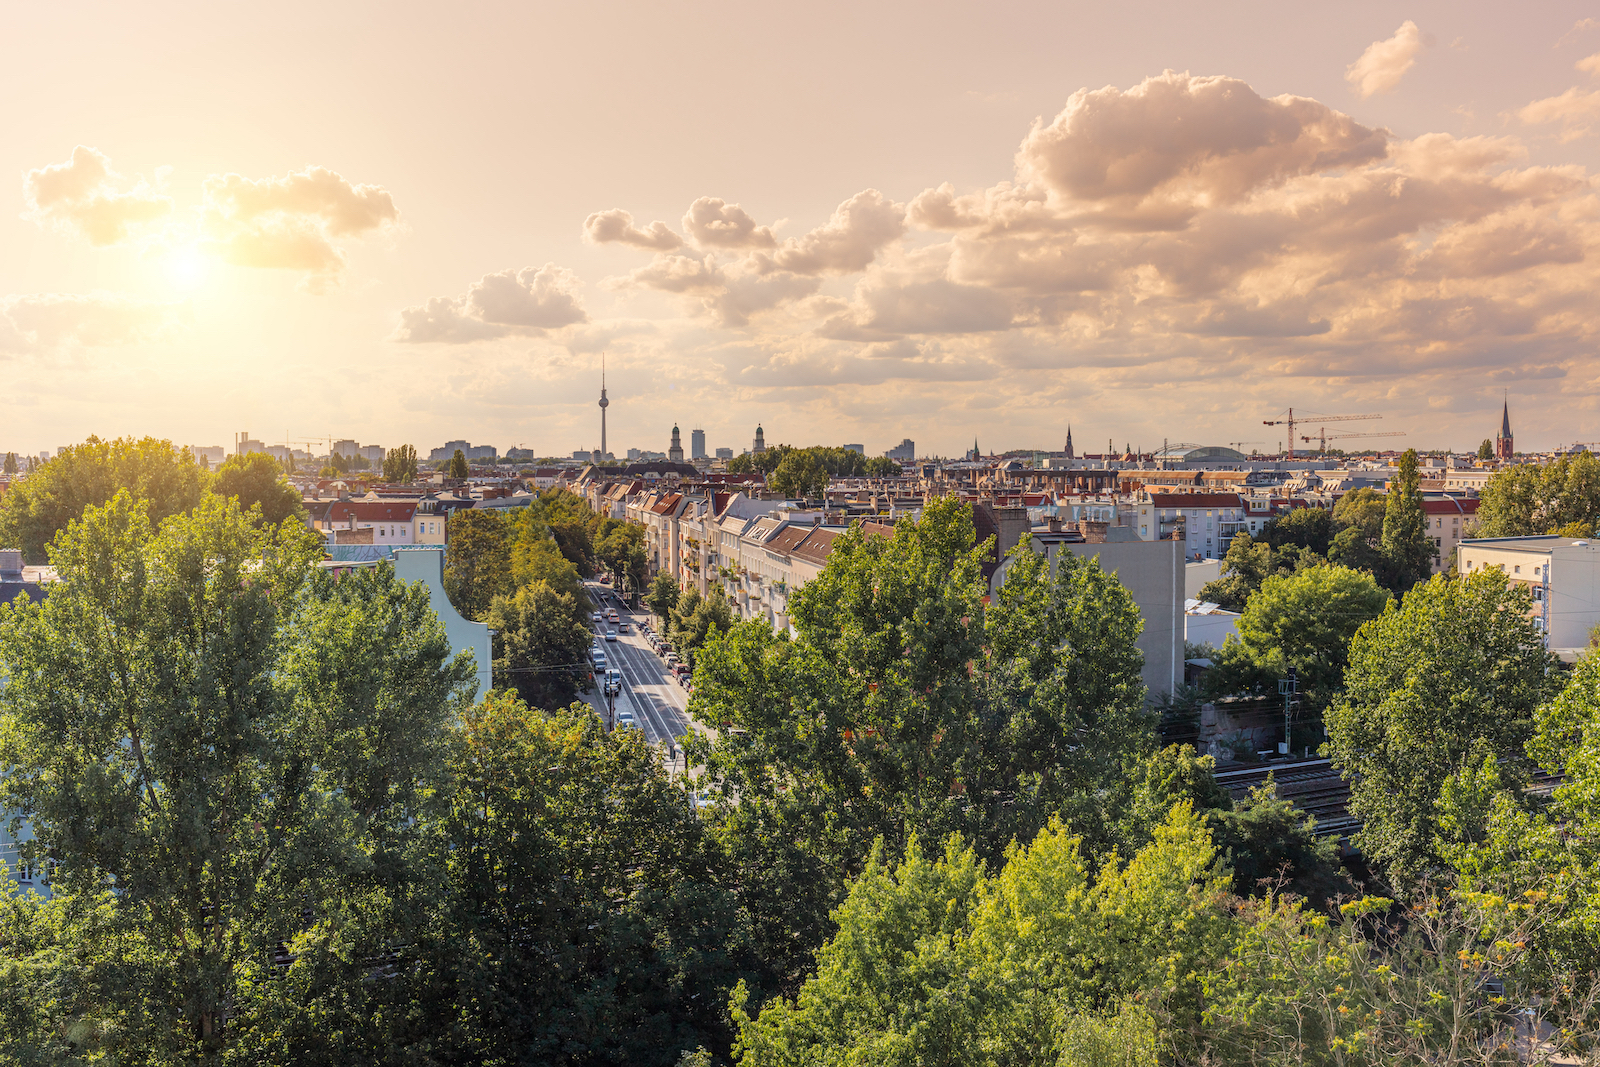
(625, 720)
(613, 681)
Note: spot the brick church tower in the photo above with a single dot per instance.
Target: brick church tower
(1503, 448)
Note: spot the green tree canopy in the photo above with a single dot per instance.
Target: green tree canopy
(1454, 673)
(663, 596)
(11, 463)
(1407, 550)
(41, 505)
(198, 720)
(1303, 620)
(1527, 499)
(477, 564)
(695, 619)
(458, 466)
(542, 641)
(400, 464)
(800, 475)
(1486, 449)
(1311, 528)
(256, 480)
(1362, 510)
(589, 924)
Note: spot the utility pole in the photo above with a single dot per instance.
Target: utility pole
(1289, 688)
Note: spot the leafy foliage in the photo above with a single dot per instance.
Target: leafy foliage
(1527, 499)
(1453, 674)
(542, 644)
(43, 504)
(400, 464)
(1407, 551)
(256, 480)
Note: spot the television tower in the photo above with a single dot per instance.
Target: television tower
(604, 403)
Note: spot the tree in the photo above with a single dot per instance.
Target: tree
(543, 639)
(1454, 673)
(621, 548)
(663, 596)
(588, 923)
(741, 464)
(11, 463)
(256, 480)
(400, 464)
(696, 619)
(1303, 620)
(247, 752)
(535, 558)
(1311, 528)
(1486, 449)
(458, 466)
(477, 565)
(1527, 499)
(1362, 510)
(1247, 564)
(881, 467)
(40, 506)
(800, 475)
(1407, 550)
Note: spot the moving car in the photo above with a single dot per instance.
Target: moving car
(611, 635)
(622, 627)
(625, 720)
(613, 681)
(597, 617)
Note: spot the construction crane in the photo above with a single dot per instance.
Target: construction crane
(1289, 420)
(1323, 438)
(1241, 444)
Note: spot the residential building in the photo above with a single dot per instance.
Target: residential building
(1205, 522)
(1561, 574)
(392, 522)
(374, 455)
(243, 444)
(724, 453)
(346, 448)
(859, 450)
(1449, 519)
(212, 454)
(427, 565)
(904, 452)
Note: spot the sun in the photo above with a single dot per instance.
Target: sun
(187, 268)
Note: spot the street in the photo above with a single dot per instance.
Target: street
(659, 704)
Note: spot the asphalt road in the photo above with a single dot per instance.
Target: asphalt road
(658, 702)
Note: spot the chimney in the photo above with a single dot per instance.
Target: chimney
(1054, 522)
(11, 564)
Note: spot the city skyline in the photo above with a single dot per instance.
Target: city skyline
(1363, 222)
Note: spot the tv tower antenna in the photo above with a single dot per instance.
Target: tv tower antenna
(604, 403)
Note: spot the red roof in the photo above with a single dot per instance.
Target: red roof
(1451, 506)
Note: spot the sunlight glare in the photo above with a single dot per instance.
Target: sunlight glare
(187, 268)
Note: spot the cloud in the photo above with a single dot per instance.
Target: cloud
(1384, 63)
(616, 227)
(1149, 157)
(530, 303)
(1576, 111)
(846, 243)
(42, 322)
(713, 223)
(291, 223)
(85, 196)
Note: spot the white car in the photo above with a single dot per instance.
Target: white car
(611, 635)
(625, 721)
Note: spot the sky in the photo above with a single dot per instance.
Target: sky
(848, 222)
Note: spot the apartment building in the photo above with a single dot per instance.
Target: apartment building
(1205, 522)
(1450, 519)
(1561, 574)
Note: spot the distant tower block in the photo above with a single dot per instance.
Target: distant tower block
(760, 444)
(675, 453)
(697, 444)
(1504, 448)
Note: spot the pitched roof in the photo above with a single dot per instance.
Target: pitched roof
(1450, 506)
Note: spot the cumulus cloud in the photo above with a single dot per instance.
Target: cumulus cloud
(846, 243)
(530, 303)
(714, 223)
(616, 227)
(42, 322)
(1153, 155)
(1576, 111)
(291, 223)
(85, 196)
(1183, 245)
(1384, 63)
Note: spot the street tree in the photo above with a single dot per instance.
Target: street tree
(800, 475)
(663, 596)
(541, 638)
(256, 480)
(245, 752)
(1450, 676)
(54, 494)
(1528, 499)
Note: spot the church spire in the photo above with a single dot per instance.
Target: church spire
(1069, 442)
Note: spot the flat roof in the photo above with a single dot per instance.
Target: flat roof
(1536, 543)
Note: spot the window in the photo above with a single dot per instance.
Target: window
(1538, 593)
(1517, 569)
